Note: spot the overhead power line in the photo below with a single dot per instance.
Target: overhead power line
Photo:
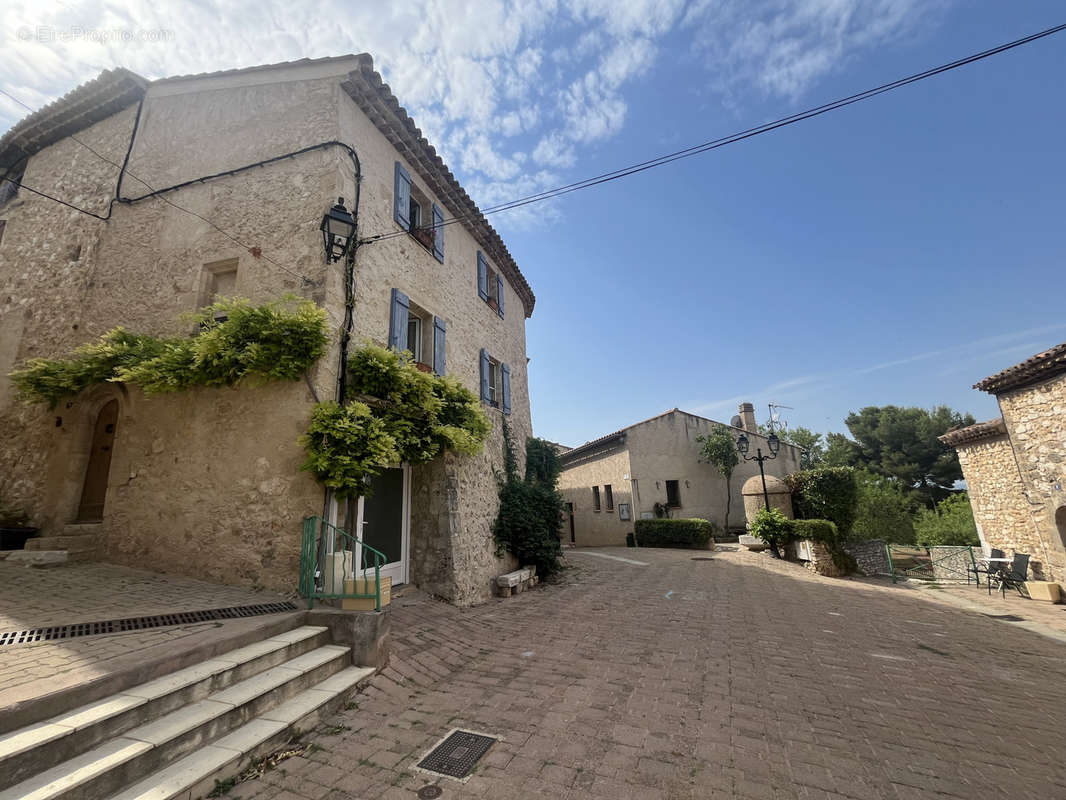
(714, 144)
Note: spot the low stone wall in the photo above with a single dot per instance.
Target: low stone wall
(822, 561)
(870, 556)
(950, 563)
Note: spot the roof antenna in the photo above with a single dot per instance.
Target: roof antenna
(775, 416)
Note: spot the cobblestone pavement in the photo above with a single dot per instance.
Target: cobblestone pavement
(89, 592)
(736, 677)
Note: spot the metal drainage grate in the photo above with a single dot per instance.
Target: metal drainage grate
(79, 629)
(457, 754)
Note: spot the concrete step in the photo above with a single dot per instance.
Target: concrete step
(38, 747)
(72, 544)
(196, 774)
(141, 750)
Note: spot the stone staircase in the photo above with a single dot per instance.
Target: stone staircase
(174, 736)
(79, 542)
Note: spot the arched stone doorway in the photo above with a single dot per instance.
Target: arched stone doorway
(94, 486)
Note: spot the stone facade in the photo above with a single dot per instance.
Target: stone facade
(208, 482)
(870, 556)
(1015, 467)
(637, 462)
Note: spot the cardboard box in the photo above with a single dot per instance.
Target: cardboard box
(365, 586)
(1043, 590)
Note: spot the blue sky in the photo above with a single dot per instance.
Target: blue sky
(893, 252)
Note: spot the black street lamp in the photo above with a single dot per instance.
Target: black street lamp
(773, 444)
(338, 230)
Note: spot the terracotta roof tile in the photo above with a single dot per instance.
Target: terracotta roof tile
(1033, 370)
(975, 433)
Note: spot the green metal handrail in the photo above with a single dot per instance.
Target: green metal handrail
(320, 539)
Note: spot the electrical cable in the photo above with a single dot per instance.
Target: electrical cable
(735, 137)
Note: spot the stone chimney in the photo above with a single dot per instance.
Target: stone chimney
(747, 416)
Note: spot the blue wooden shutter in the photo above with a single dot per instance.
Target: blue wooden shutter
(402, 196)
(499, 295)
(506, 388)
(482, 276)
(438, 345)
(484, 376)
(438, 233)
(401, 308)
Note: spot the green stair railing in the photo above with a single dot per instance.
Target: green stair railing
(330, 557)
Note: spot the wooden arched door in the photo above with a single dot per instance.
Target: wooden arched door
(94, 489)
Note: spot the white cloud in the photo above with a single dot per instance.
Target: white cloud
(497, 85)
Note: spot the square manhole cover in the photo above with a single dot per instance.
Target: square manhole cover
(457, 754)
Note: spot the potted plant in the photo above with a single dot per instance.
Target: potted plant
(14, 527)
(493, 304)
(422, 367)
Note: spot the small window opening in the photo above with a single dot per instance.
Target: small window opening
(595, 498)
(673, 494)
(608, 496)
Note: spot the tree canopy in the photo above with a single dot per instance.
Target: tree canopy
(902, 443)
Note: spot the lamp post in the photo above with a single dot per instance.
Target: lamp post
(773, 444)
(338, 230)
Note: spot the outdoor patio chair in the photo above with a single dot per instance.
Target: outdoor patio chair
(985, 567)
(1014, 575)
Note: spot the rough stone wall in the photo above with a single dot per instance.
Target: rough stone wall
(211, 494)
(665, 448)
(998, 496)
(870, 556)
(454, 502)
(822, 562)
(950, 562)
(604, 527)
(1036, 423)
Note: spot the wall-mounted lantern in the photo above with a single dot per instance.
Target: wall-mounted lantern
(338, 231)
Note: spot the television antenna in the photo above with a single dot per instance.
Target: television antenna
(775, 416)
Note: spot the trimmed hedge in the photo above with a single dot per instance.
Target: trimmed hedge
(673, 532)
(818, 530)
(826, 493)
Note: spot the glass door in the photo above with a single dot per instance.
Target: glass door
(384, 519)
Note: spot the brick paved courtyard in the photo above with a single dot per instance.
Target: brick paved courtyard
(752, 679)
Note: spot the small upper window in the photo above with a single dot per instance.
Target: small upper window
(595, 498)
(673, 494)
(494, 378)
(495, 382)
(219, 280)
(416, 214)
(608, 496)
(490, 284)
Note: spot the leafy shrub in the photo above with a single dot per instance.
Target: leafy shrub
(885, 510)
(673, 532)
(395, 412)
(771, 526)
(951, 524)
(817, 530)
(826, 493)
(528, 520)
(254, 344)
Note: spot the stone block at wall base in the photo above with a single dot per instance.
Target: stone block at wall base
(1047, 591)
(822, 561)
(366, 632)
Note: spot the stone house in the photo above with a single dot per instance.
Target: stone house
(1015, 465)
(225, 178)
(611, 481)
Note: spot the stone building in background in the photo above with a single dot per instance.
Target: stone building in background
(611, 481)
(1015, 466)
(225, 178)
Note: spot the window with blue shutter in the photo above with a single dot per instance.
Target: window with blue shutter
(438, 233)
(484, 376)
(506, 370)
(499, 295)
(482, 276)
(402, 197)
(401, 307)
(438, 345)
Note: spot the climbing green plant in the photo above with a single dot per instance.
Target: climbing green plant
(527, 524)
(237, 343)
(393, 413)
